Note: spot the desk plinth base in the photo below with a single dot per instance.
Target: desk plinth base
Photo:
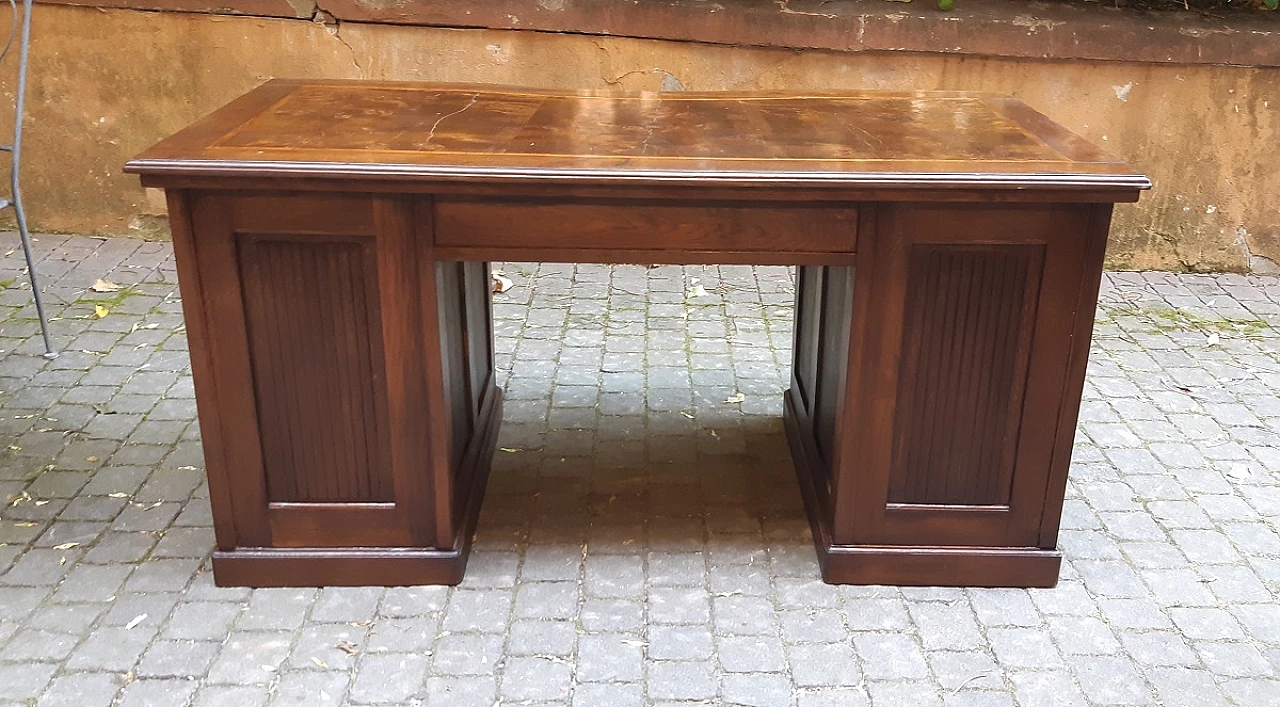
(374, 566)
(906, 565)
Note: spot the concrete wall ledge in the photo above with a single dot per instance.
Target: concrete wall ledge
(990, 28)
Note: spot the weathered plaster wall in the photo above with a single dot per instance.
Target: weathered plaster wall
(107, 83)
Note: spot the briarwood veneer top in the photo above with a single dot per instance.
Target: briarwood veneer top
(422, 132)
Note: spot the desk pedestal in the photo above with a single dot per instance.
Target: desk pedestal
(935, 390)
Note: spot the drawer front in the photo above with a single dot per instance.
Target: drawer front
(622, 226)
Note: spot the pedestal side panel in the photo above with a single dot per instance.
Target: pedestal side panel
(966, 344)
(312, 316)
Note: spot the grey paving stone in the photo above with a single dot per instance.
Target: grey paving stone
(679, 605)
(890, 656)
(478, 610)
(1024, 648)
(67, 618)
(20, 682)
(157, 693)
(612, 615)
(347, 604)
(403, 635)
(529, 679)
(392, 678)
(162, 575)
(743, 615)
(531, 637)
(620, 694)
(81, 690)
(232, 696)
(111, 649)
(311, 689)
(834, 697)
(209, 621)
(250, 658)
(185, 659)
(461, 691)
(610, 658)
(900, 694)
(682, 680)
(328, 647)
(547, 600)
(1047, 688)
(463, 654)
(1111, 680)
(756, 689)
(38, 645)
(751, 654)
(411, 602)
(946, 626)
(275, 609)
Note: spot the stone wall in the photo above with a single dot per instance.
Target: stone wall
(1201, 115)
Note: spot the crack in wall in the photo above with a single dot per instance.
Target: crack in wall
(785, 7)
(333, 26)
(1256, 263)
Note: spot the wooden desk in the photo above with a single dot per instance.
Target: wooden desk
(331, 240)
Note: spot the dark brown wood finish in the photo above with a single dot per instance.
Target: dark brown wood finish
(486, 134)
(332, 240)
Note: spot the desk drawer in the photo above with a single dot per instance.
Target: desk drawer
(599, 226)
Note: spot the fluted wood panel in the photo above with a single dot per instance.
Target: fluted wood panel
(314, 343)
(966, 343)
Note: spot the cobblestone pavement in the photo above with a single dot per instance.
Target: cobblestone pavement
(646, 543)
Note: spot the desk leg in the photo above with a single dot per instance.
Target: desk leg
(957, 355)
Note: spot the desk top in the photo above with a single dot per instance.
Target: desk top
(492, 134)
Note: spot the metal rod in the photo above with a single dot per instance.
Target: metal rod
(19, 212)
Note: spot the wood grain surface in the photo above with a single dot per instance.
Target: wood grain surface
(477, 133)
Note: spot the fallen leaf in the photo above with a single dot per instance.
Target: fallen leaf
(133, 623)
(735, 398)
(1213, 339)
(696, 291)
(91, 459)
(100, 311)
(348, 648)
(105, 286)
(688, 415)
(319, 662)
(501, 283)
(41, 503)
(24, 524)
(1240, 471)
(65, 546)
(15, 448)
(117, 495)
(509, 449)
